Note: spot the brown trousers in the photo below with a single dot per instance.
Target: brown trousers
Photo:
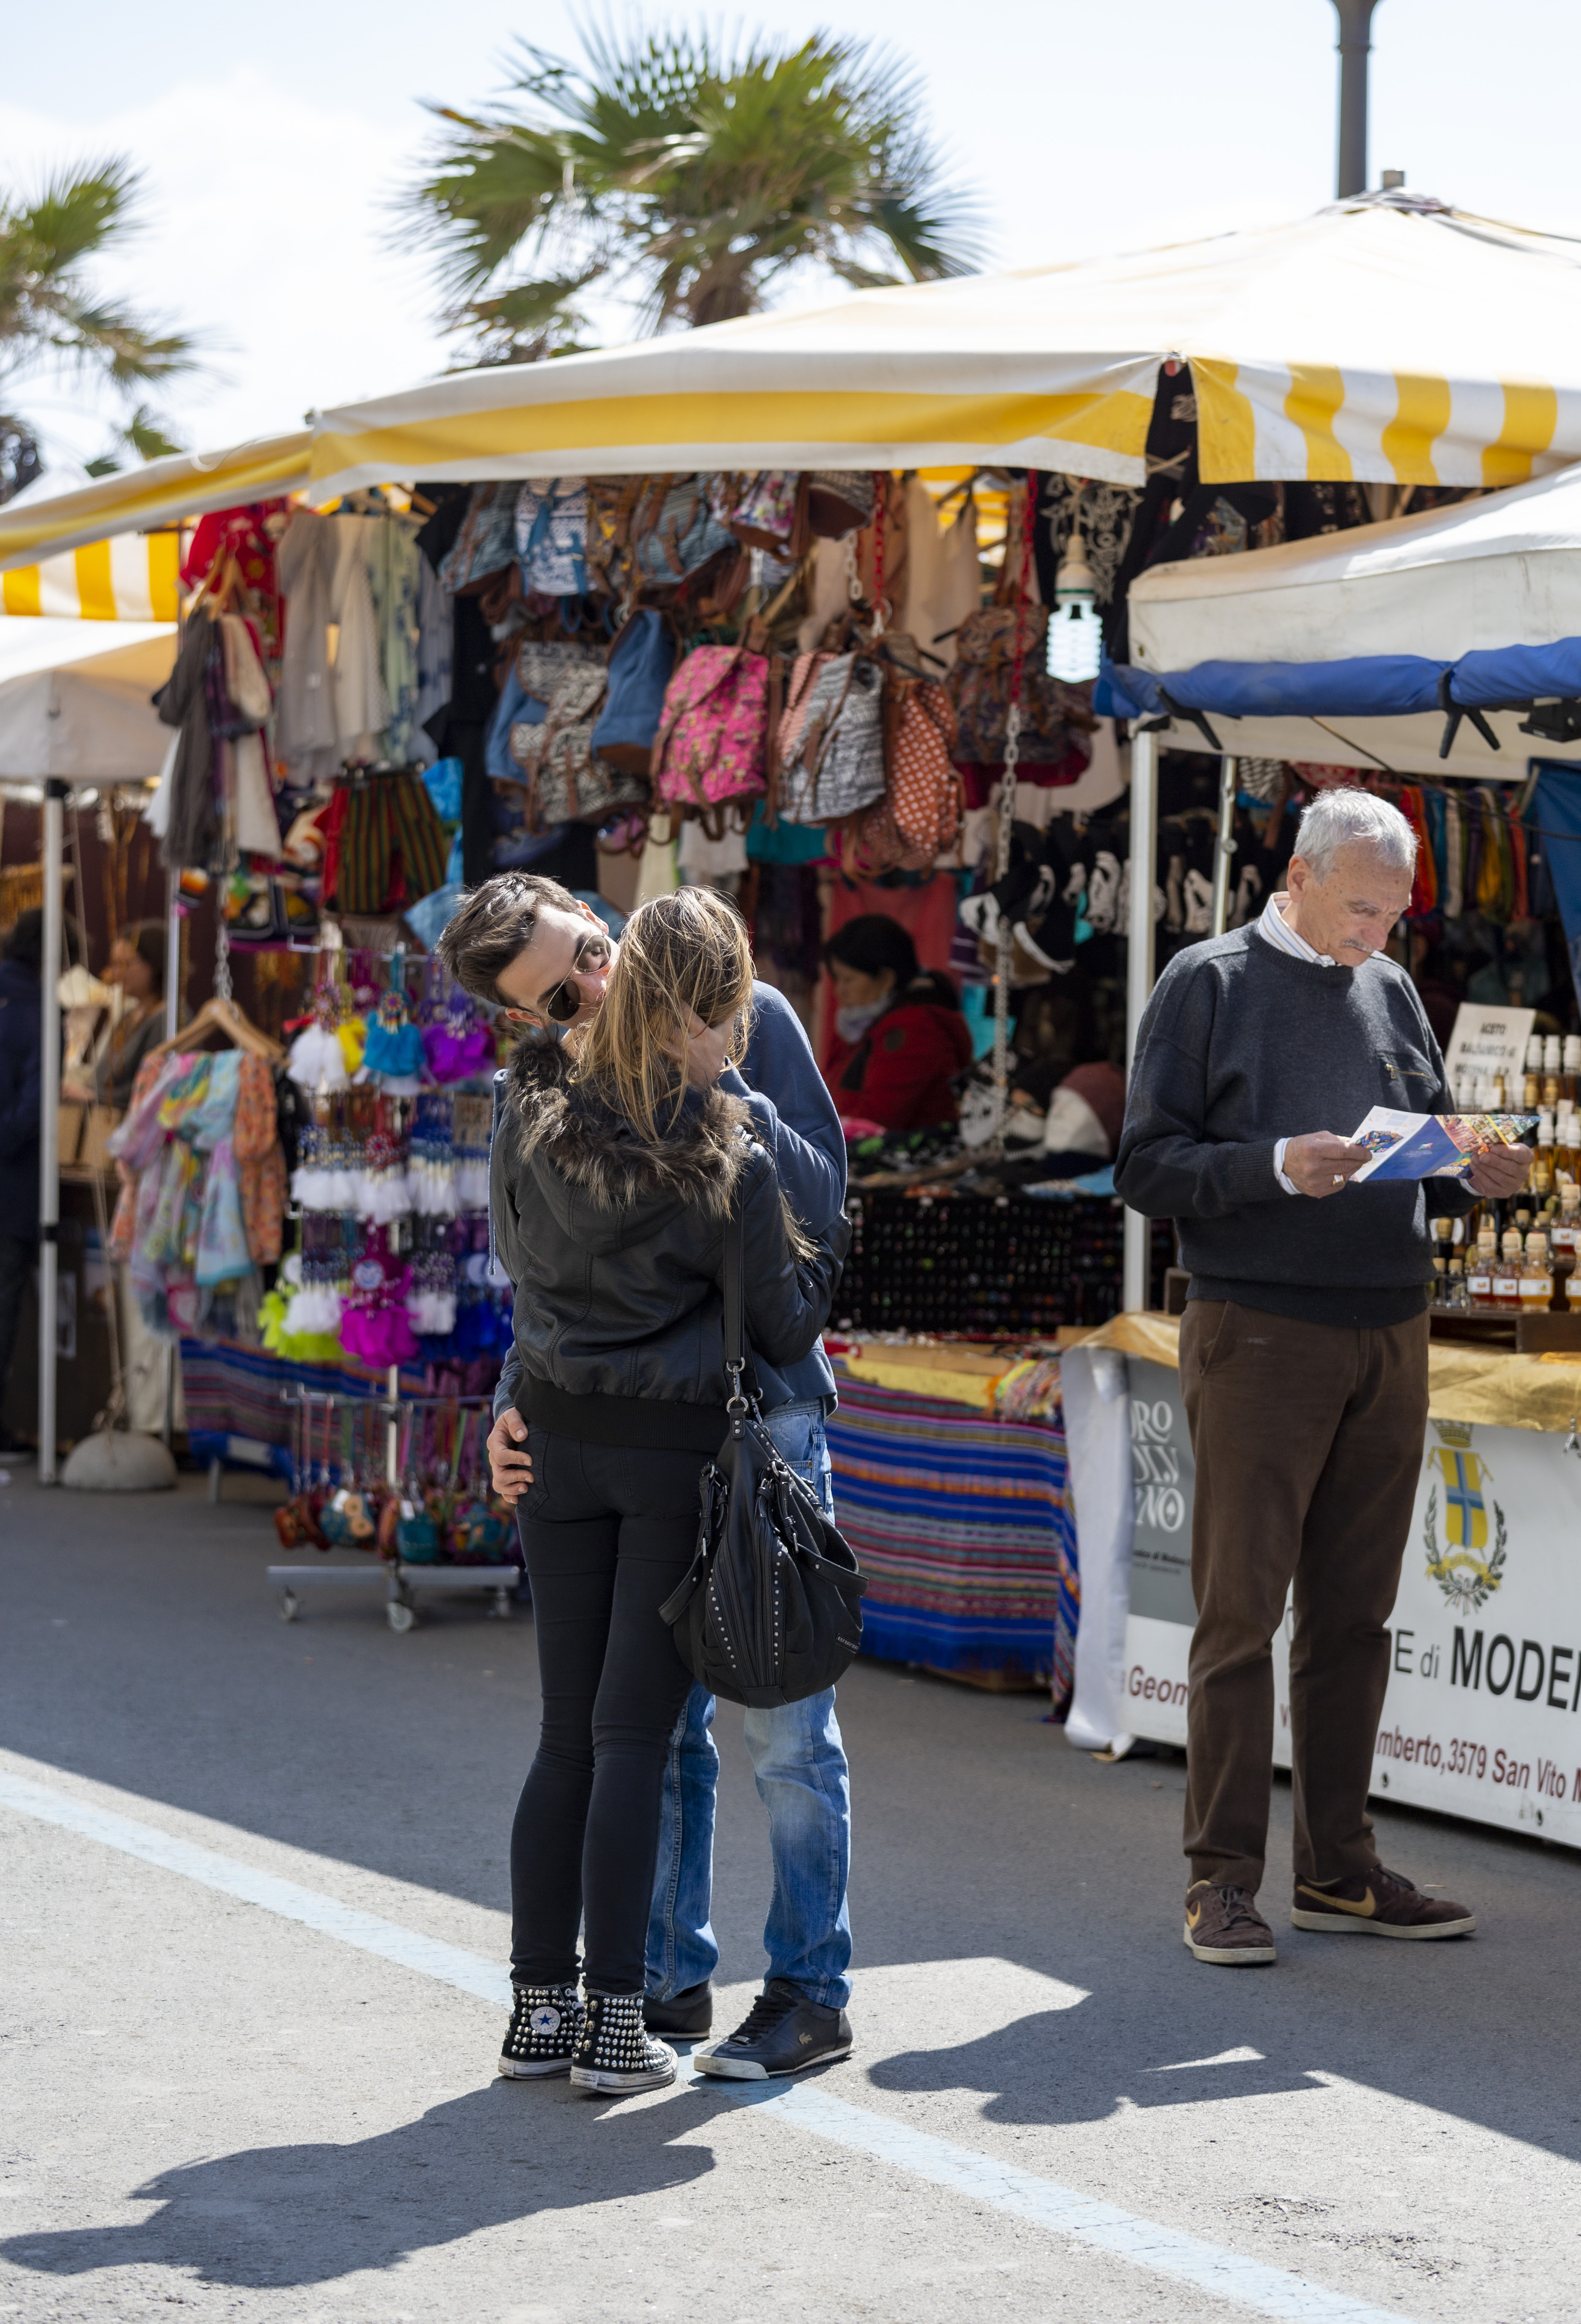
(1307, 1439)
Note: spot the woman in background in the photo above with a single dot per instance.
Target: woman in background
(900, 1036)
(136, 964)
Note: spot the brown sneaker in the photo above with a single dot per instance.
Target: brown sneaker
(1378, 1904)
(1224, 1925)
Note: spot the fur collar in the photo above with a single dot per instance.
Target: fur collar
(568, 1125)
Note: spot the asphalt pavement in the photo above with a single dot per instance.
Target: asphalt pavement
(253, 1924)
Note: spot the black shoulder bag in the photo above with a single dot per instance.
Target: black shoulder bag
(771, 1608)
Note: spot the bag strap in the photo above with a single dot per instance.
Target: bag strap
(735, 1322)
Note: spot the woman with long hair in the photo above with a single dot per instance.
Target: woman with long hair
(900, 1036)
(616, 1170)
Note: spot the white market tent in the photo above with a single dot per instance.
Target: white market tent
(74, 712)
(1504, 571)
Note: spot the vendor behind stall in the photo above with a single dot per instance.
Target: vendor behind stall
(136, 964)
(900, 1036)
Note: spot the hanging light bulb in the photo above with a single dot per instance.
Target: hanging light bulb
(1074, 634)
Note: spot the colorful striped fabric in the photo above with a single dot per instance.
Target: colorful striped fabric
(963, 1529)
(234, 1391)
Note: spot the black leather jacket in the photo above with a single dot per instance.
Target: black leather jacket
(616, 1250)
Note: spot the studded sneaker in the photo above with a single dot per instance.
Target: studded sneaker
(546, 2024)
(781, 2034)
(1223, 1925)
(1378, 1904)
(616, 2052)
(685, 2017)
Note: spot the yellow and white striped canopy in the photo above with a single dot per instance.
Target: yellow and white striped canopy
(132, 577)
(1383, 340)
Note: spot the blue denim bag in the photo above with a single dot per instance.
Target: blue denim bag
(640, 663)
(515, 708)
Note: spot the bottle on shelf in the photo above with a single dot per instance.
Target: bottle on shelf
(1531, 1087)
(1542, 1169)
(1507, 1276)
(1537, 1282)
(1482, 1266)
(1570, 1069)
(1497, 1103)
(1443, 1241)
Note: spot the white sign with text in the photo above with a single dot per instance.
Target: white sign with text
(1483, 1716)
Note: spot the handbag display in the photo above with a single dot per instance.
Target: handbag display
(711, 746)
(924, 787)
(565, 782)
(770, 1609)
(541, 663)
(551, 535)
(486, 543)
(674, 530)
(761, 510)
(840, 501)
(835, 765)
(979, 687)
(641, 661)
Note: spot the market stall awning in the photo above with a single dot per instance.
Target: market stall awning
(1486, 596)
(74, 700)
(131, 577)
(1386, 339)
(141, 499)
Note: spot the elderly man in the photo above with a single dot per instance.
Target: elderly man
(1303, 1359)
(524, 941)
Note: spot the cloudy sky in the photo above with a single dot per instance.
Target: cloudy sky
(273, 141)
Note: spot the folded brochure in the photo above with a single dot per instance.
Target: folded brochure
(1433, 1144)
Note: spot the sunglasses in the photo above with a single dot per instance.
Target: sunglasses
(563, 1004)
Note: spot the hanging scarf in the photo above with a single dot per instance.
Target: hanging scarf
(1454, 856)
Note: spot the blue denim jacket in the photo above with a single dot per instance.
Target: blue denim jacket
(795, 1118)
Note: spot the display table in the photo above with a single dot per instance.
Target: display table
(958, 1516)
(1483, 1717)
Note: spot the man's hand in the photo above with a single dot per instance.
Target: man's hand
(1323, 1164)
(511, 1467)
(1500, 1171)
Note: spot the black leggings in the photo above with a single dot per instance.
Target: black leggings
(607, 1535)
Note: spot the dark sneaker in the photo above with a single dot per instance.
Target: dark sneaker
(546, 2025)
(781, 2034)
(685, 2016)
(1378, 1904)
(616, 2052)
(1225, 1926)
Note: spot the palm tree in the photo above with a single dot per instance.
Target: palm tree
(686, 178)
(48, 314)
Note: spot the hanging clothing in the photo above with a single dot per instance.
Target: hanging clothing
(362, 711)
(436, 640)
(396, 565)
(305, 730)
(192, 830)
(942, 583)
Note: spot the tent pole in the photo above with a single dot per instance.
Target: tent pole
(1223, 847)
(49, 1123)
(1139, 971)
(1355, 41)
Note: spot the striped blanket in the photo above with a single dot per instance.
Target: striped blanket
(963, 1527)
(235, 1391)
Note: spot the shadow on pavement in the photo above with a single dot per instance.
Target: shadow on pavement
(312, 2213)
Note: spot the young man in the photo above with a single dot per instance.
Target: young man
(527, 944)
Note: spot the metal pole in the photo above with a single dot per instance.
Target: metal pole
(172, 1008)
(1354, 42)
(1223, 846)
(1139, 971)
(55, 792)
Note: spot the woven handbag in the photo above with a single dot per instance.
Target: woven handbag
(836, 766)
(486, 543)
(566, 783)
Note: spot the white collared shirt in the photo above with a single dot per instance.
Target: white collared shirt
(1273, 926)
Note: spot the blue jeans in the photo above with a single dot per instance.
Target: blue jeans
(802, 1780)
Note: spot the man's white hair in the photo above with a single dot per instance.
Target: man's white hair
(1348, 818)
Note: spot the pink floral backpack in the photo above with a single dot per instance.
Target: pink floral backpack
(711, 746)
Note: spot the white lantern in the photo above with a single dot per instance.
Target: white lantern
(1074, 635)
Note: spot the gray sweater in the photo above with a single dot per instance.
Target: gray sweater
(1243, 1044)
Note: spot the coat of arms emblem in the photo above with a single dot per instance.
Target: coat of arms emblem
(1465, 1569)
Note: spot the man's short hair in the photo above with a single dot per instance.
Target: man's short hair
(1344, 817)
(493, 925)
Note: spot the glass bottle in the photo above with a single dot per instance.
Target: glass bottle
(1537, 1282)
(1481, 1269)
(1542, 1169)
(1507, 1276)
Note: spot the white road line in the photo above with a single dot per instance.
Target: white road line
(1060, 2211)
